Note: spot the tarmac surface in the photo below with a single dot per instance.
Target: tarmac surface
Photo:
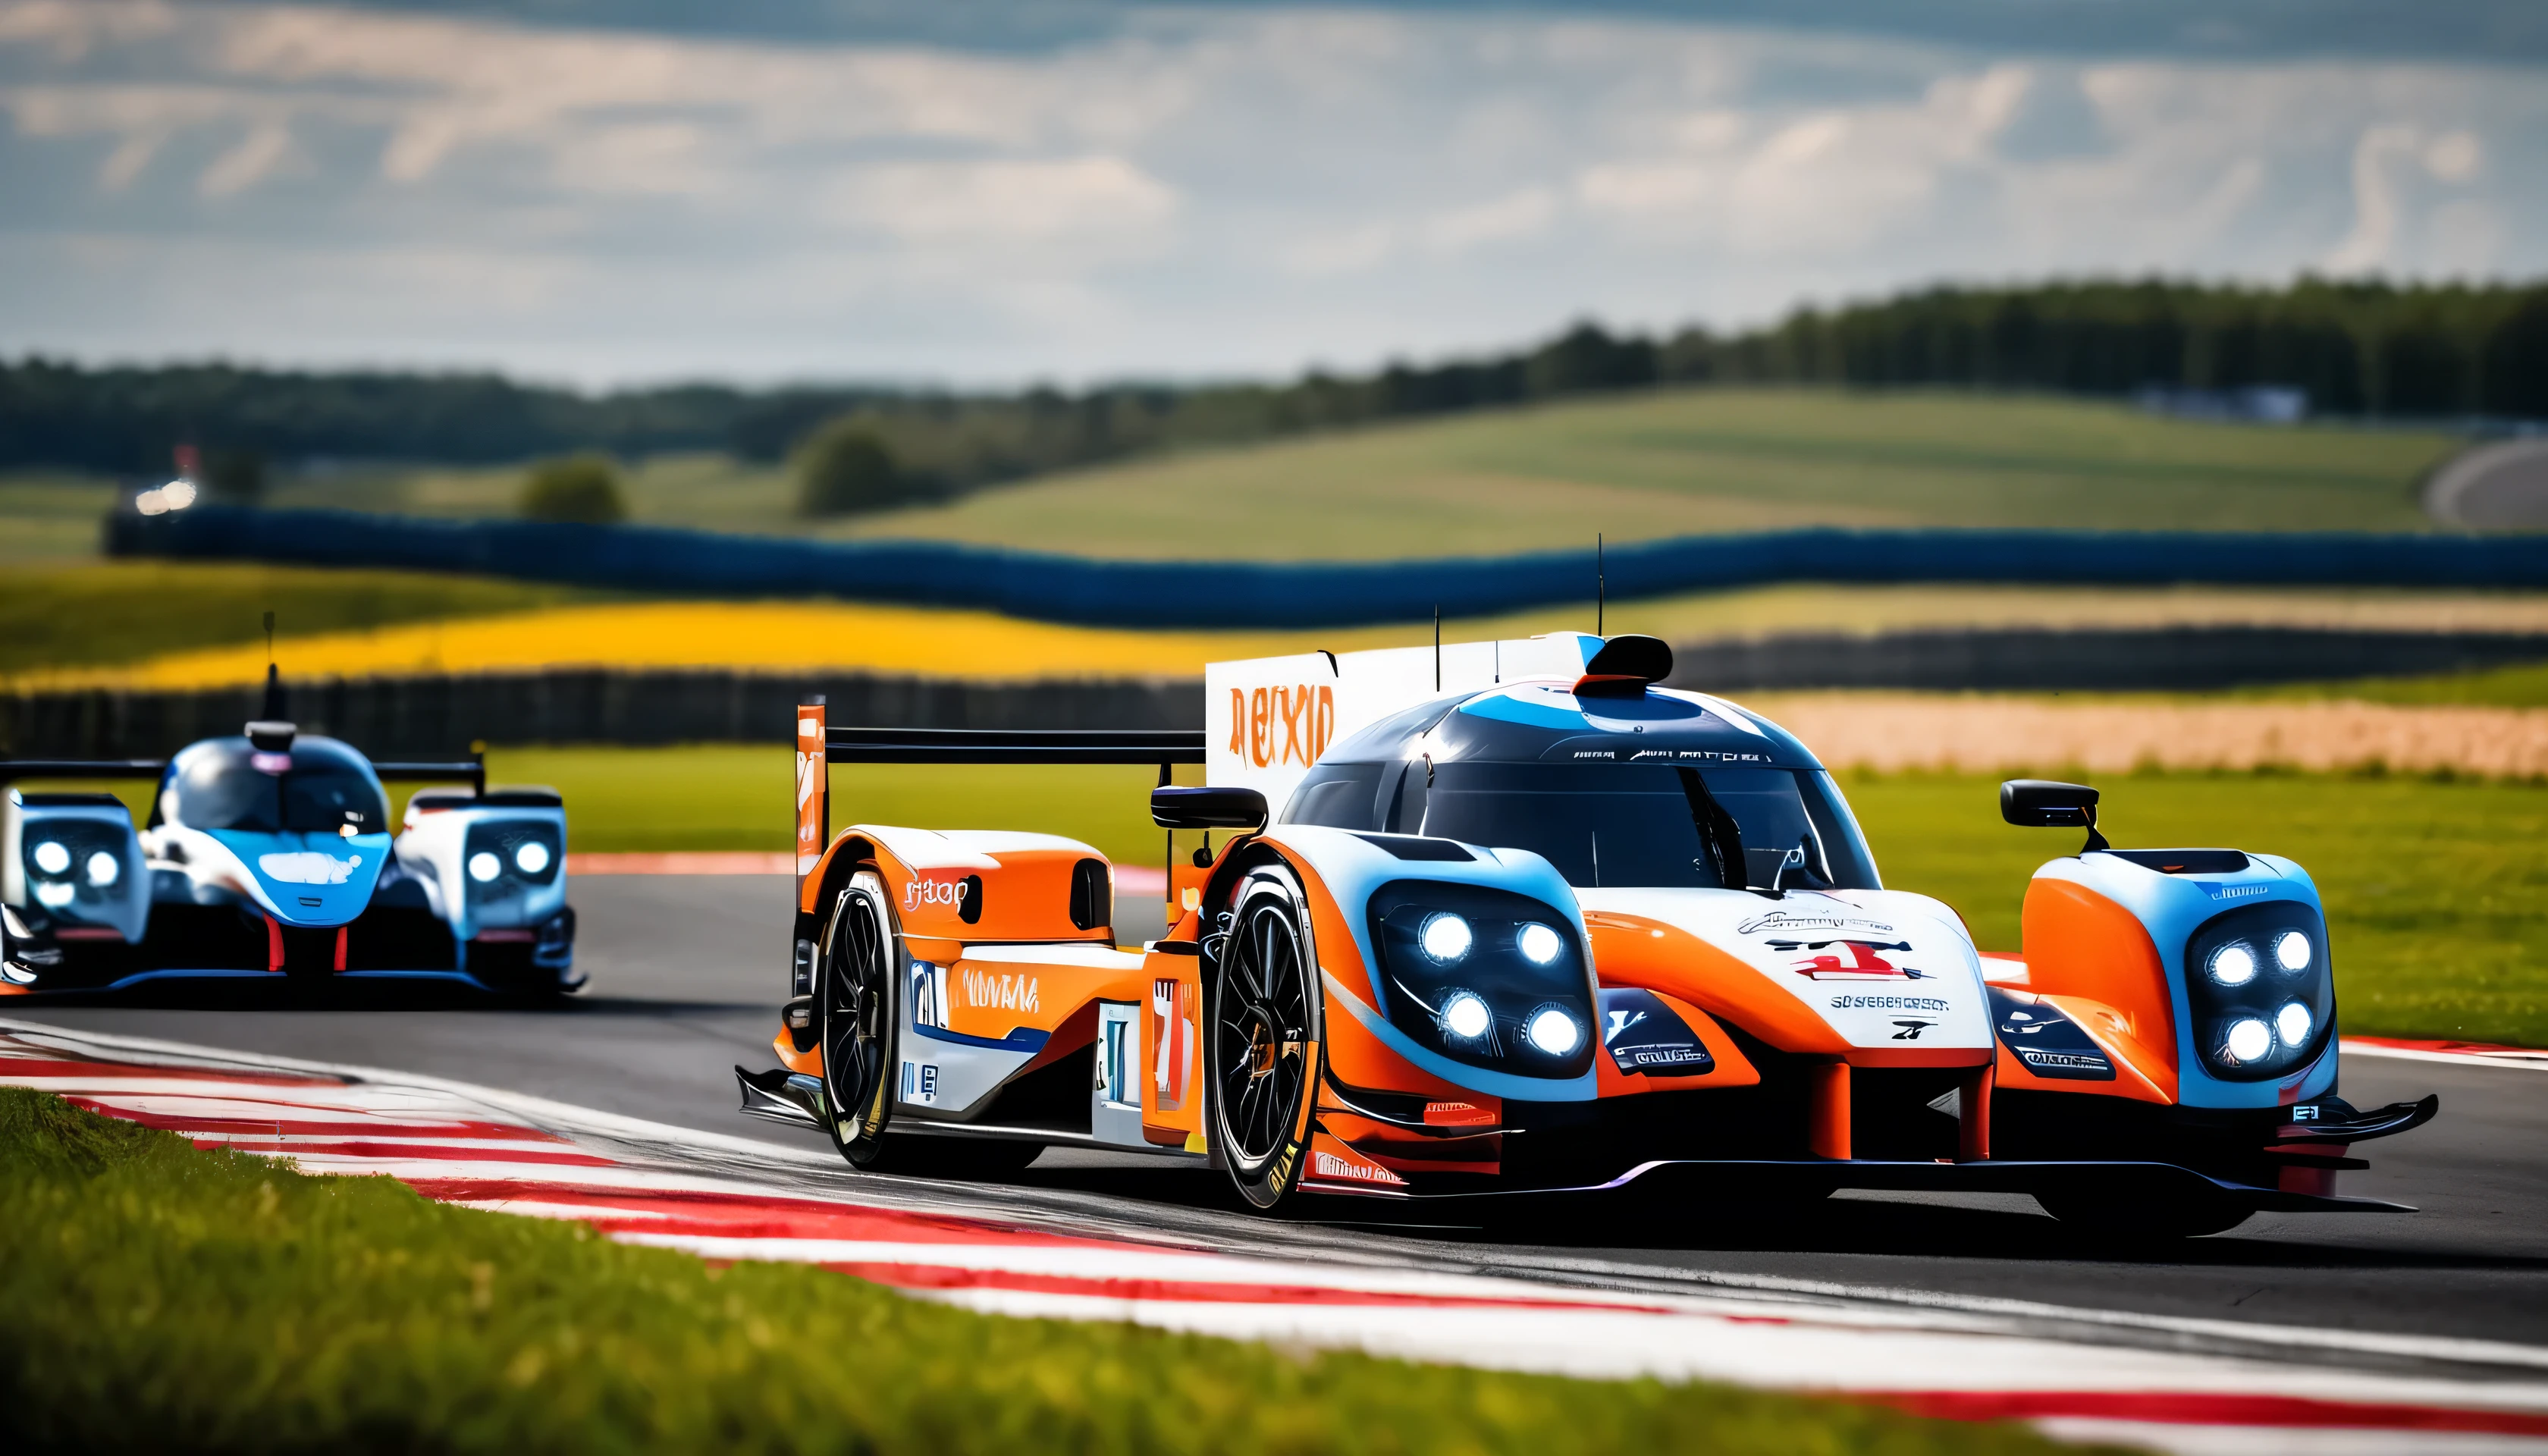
(687, 972)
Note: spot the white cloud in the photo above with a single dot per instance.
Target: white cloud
(1209, 191)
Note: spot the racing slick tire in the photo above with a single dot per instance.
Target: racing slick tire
(1265, 1036)
(858, 1016)
(2143, 1221)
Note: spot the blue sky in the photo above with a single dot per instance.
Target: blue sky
(613, 190)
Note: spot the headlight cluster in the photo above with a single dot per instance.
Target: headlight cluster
(69, 861)
(2258, 984)
(1483, 976)
(504, 859)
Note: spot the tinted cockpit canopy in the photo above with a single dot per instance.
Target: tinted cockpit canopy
(320, 785)
(1653, 790)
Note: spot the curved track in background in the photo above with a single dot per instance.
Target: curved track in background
(686, 971)
(2502, 486)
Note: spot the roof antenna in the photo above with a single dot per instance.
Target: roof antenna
(273, 679)
(1437, 646)
(1600, 586)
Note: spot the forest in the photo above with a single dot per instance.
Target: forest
(2359, 349)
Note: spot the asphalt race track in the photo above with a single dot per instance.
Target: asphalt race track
(686, 974)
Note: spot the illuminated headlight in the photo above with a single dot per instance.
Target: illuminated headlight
(483, 866)
(2233, 965)
(52, 858)
(2248, 1039)
(1553, 1030)
(1465, 1015)
(530, 858)
(2292, 951)
(1445, 937)
(53, 894)
(1539, 944)
(104, 869)
(2292, 1024)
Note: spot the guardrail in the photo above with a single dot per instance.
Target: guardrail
(1223, 594)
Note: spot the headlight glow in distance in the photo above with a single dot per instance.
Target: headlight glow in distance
(53, 894)
(1553, 1030)
(2292, 950)
(1445, 936)
(2233, 965)
(2292, 1023)
(104, 869)
(1539, 944)
(485, 867)
(2248, 1039)
(531, 857)
(1465, 1015)
(52, 858)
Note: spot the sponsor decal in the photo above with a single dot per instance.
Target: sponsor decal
(2047, 1043)
(1595, 753)
(1456, 1115)
(1887, 1003)
(1694, 756)
(1328, 1165)
(2043, 1063)
(309, 866)
(1282, 725)
(2220, 891)
(921, 892)
(1644, 1037)
(1802, 926)
(984, 991)
(1851, 960)
(920, 1081)
(1911, 1029)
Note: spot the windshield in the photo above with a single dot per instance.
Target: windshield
(218, 786)
(1614, 824)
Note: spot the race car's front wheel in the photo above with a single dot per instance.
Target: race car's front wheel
(855, 1009)
(1264, 1038)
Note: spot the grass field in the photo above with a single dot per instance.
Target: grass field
(1662, 463)
(2433, 889)
(156, 1296)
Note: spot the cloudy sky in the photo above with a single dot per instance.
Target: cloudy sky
(615, 190)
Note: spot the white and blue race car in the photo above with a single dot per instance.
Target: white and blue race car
(271, 855)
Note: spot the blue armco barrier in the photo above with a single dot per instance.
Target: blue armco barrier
(1180, 594)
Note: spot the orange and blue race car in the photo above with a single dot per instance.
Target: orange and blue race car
(270, 854)
(1510, 916)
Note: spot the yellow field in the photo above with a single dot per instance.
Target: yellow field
(790, 637)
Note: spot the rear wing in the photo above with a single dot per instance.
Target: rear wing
(1267, 719)
(819, 746)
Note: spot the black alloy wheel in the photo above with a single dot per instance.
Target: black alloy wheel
(854, 1006)
(1264, 1040)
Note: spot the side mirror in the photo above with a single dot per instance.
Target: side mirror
(2042, 803)
(1175, 806)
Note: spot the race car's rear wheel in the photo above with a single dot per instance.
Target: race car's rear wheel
(1264, 1038)
(2143, 1221)
(855, 1008)
(858, 1002)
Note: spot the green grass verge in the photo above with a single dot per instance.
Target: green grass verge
(2523, 686)
(107, 612)
(2436, 892)
(1657, 463)
(156, 1296)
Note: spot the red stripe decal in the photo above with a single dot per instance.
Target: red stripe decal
(2183, 1408)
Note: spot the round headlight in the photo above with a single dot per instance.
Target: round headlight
(53, 894)
(1553, 1030)
(52, 858)
(2292, 950)
(2248, 1039)
(1444, 936)
(2233, 965)
(531, 857)
(104, 869)
(2292, 1023)
(1465, 1015)
(1539, 944)
(485, 867)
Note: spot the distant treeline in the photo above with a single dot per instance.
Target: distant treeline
(2366, 350)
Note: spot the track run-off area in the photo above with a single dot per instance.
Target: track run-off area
(2329, 1334)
